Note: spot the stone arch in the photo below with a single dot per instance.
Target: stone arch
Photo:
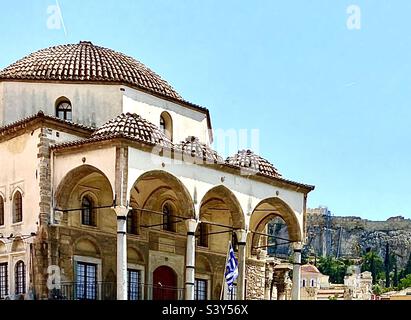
(135, 256)
(87, 246)
(263, 213)
(18, 245)
(203, 265)
(220, 215)
(72, 179)
(155, 187)
(3, 248)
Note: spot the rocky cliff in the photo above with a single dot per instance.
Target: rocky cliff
(350, 237)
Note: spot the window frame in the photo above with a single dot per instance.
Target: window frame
(20, 277)
(168, 219)
(196, 288)
(2, 217)
(17, 207)
(65, 107)
(90, 208)
(4, 280)
(85, 293)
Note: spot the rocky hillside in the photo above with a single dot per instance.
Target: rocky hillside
(352, 236)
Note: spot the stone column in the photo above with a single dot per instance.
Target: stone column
(121, 213)
(296, 290)
(191, 226)
(242, 241)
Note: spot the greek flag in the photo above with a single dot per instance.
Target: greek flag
(231, 269)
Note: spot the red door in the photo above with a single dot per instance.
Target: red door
(164, 284)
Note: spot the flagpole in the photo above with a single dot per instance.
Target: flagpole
(225, 266)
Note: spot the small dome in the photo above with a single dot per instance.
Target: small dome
(87, 62)
(248, 159)
(195, 148)
(132, 126)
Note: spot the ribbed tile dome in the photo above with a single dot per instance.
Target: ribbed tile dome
(248, 159)
(193, 147)
(132, 126)
(87, 62)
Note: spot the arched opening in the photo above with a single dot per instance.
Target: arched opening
(164, 284)
(85, 196)
(20, 277)
(166, 125)
(1, 211)
(278, 245)
(165, 203)
(220, 215)
(64, 109)
(17, 207)
(267, 211)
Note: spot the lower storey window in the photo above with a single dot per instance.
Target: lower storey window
(86, 281)
(134, 284)
(200, 289)
(232, 295)
(4, 290)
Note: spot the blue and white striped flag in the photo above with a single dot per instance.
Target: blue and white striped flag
(231, 269)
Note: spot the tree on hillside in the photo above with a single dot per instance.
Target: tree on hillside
(373, 263)
(335, 268)
(387, 265)
(408, 266)
(405, 283)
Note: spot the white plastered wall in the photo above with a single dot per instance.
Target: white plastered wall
(186, 122)
(248, 192)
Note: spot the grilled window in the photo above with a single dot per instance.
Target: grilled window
(86, 281)
(20, 277)
(200, 289)
(4, 290)
(1, 211)
(64, 110)
(17, 207)
(202, 235)
(88, 215)
(168, 221)
(134, 284)
(132, 222)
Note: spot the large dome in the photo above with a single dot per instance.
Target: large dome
(87, 62)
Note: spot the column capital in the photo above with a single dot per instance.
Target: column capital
(297, 246)
(121, 211)
(241, 235)
(191, 225)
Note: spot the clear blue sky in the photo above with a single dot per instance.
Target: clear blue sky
(332, 104)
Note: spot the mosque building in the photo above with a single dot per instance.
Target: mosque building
(109, 184)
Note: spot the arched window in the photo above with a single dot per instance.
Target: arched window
(88, 214)
(312, 283)
(168, 219)
(304, 283)
(64, 109)
(17, 207)
(1, 211)
(20, 277)
(132, 222)
(166, 125)
(202, 235)
(234, 241)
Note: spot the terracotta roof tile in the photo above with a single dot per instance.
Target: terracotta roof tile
(85, 61)
(249, 160)
(193, 147)
(132, 126)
